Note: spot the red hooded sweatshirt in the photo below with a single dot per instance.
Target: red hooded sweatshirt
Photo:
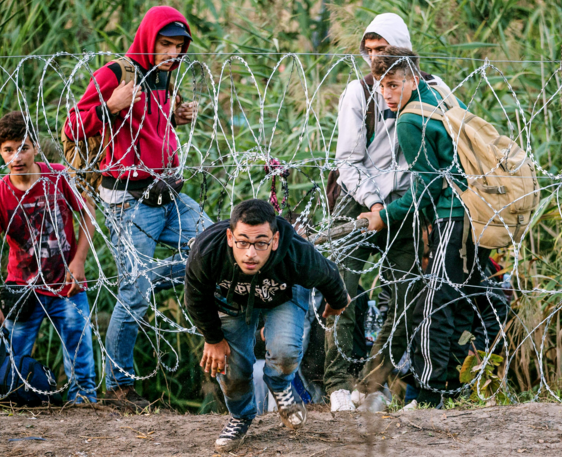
(145, 140)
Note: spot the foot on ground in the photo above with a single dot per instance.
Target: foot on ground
(430, 399)
(232, 434)
(292, 414)
(341, 401)
(126, 398)
(357, 397)
(374, 402)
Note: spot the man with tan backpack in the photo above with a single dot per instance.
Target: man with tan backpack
(121, 134)
(477, 187)
(370, 172)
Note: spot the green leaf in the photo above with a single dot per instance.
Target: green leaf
(466, 337)
(466, 374)
(496, 359)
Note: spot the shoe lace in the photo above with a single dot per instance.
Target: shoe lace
(285, 398)
(234, 428)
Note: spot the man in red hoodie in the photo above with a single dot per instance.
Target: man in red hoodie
(141, 209)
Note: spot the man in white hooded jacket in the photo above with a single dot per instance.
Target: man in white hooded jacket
(373, 172)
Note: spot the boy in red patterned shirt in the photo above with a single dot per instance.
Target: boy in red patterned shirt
(36, 217)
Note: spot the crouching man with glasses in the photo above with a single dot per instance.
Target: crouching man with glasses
(255, 263)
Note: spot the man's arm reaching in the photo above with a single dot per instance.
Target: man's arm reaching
(186, 112)
(199, 300)
(315, 271)
(89, 115)
(427, 185)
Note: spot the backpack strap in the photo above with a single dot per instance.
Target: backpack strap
(128, 72)
(424, 110)
(449, 99)
(367, 83)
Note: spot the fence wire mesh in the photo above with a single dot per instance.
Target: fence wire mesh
(267, 125)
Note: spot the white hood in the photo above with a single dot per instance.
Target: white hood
(392, 28)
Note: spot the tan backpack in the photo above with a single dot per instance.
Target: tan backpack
(88, 153)
(503, 190)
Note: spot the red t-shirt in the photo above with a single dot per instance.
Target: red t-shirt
(39, 229)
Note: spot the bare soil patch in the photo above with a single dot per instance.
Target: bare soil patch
(533, 429)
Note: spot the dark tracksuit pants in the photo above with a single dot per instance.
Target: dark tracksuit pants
(441, 313)
(400, 268)
(492, 309)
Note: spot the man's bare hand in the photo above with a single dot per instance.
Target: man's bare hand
(377, 207)
(123, 97)
(76, 267)
(375, 220)
(214, 357)
(2, 318)
(329, 311)
(185, 112)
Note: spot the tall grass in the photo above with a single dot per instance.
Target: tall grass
(453, 37)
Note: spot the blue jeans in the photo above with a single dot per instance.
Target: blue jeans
(412, 393)
(135, 228)
(71, 318)
(284, 328)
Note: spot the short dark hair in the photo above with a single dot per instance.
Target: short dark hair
(390, 62)
(253, 212)
(13, 127)
(372, 36)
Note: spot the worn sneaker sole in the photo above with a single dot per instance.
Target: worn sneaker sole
(287, 422)
(228, 445)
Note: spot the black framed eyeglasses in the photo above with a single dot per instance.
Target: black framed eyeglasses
(258, 245)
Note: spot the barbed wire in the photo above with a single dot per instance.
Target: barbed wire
(252, 128)
(320, 54)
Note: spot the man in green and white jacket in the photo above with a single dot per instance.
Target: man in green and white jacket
(444, 309)
(373, 172)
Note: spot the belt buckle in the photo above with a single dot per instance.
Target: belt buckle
(124, 205)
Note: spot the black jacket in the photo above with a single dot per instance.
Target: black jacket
(295, 262)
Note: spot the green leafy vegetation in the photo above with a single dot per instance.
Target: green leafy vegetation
(454, 37)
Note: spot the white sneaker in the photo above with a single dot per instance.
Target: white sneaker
(341, 401)
(374, 402)
(357, 397)
(410, 406)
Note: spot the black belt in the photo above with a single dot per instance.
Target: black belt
(111, 183)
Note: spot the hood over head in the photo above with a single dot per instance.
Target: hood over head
(156, 18)
(392, 28)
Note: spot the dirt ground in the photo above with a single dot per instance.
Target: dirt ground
(533, 429)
